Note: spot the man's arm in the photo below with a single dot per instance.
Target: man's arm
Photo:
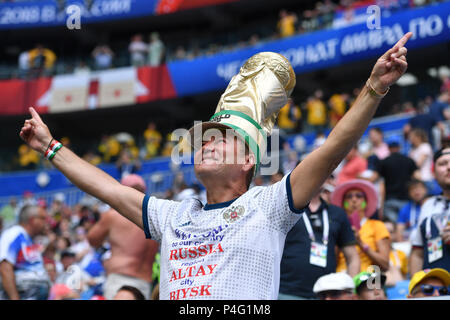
(352, 260)
(380, 257)
(99, 231)
(310, 174)
(415, 260)
(9, 280)
(90, 179)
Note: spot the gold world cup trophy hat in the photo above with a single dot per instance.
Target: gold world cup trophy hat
(251, 102)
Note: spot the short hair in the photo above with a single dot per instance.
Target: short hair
(439, 153)
(377, 129)
(421, 134)
(27, 212)
(415, 182)
(134, 291)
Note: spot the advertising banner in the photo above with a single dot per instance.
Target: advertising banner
(322, 49)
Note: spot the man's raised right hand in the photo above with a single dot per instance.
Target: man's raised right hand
(35, 132)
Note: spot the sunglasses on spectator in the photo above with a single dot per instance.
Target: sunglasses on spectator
(358, 195)
(428, 289)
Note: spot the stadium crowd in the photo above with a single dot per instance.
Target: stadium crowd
(43, 61)
(374, 225)
(378, 201)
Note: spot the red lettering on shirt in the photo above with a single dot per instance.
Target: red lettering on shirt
(194, 252)
(190, 292)
(192, 271)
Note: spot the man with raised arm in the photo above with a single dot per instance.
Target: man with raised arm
(230, 248)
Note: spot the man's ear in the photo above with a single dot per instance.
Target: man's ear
(250, 161)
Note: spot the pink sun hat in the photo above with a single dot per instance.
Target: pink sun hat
(337, 197)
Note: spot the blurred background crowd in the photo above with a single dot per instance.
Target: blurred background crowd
(74, 247)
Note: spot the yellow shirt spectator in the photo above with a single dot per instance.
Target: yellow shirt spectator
(337, 108)
(27, 156)
(285, 121)
(109, 148)
(48, 54)
(152, 141)
(398, 258)
(286, 24)
(370, 232)
(317, 112)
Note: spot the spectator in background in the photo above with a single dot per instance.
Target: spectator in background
(109, 148)
(440, 112)
(152, 141)
(289, 118)
(370, 286)
(310, 247)
(286, 23)
(328, 188)
(58, 209)
(21, 263)
(24, 64)
(156, 50)
(335, 286)
(132, 255)
(338, 107)
(326, 13)
(409, 214)
(398, 260)
(42, 61)
(72, 277)
(317, 112)
(429, 283)
(138, 50)
(422, 154)
(422, 119)
(168, 146)
(129, 293)
(92, 157)
(290, 160)
(319, 140)
(431, 239)
(396, 170)
(379, 148)
(180, 53)
(359, 200)
(127, 164)
(81, 68)
(309, 21)
(8, 214)
(352, 167)
(28, 158)
(103, 57)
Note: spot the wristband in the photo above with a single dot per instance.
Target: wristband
(365, 247)
(50, 143)
(54, 146)
(373, 92)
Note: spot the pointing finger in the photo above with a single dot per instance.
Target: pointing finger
(403, 40)
(35, 115)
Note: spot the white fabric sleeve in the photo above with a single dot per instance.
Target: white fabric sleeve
(155, 214)
(9, 247)
(277, 203)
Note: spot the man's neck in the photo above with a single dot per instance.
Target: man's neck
(219, 193)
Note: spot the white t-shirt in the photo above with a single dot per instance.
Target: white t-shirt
(223, 251)
(434, 208)
(416, 154)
